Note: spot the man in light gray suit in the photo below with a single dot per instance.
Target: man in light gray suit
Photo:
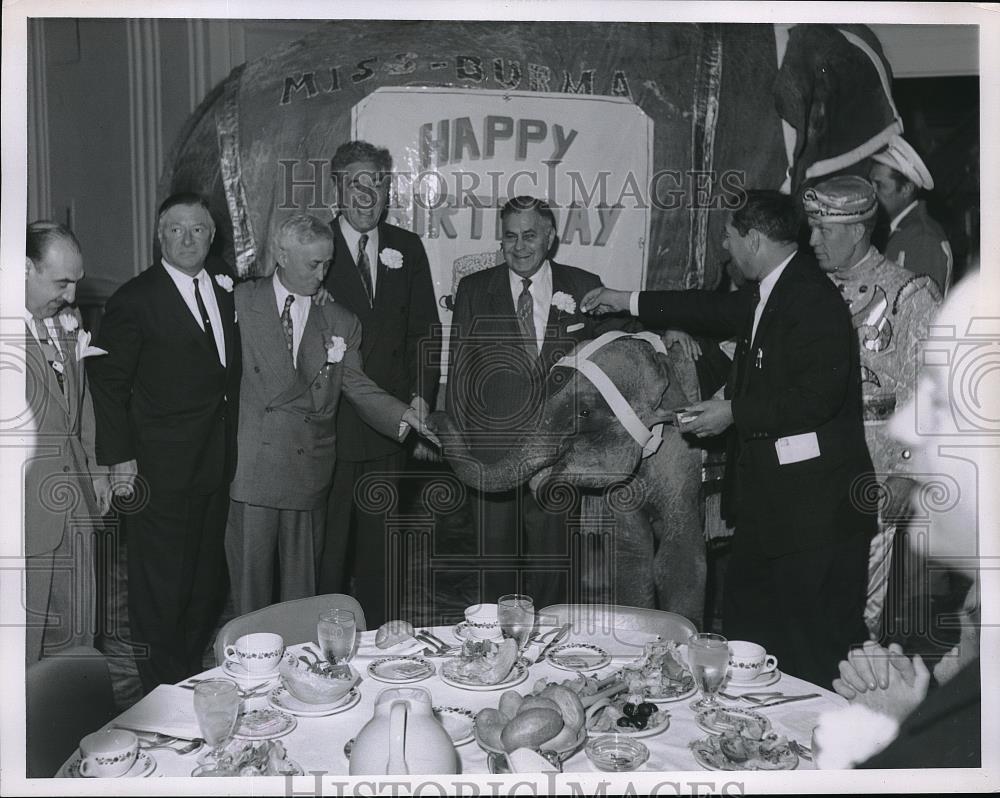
(297, 358)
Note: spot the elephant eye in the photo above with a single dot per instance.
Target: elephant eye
(584, 413)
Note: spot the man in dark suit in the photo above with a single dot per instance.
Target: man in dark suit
(165, 399)
(510, 324)
(59, 599)
(380, 273)
(800, 468)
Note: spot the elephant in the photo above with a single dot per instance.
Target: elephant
(659, 547)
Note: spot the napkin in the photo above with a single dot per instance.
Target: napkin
(168, 709)
(367, 647)
(524, 760)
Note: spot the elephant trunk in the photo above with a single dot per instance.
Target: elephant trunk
(524, 460)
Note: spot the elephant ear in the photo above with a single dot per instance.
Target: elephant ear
(673, 397)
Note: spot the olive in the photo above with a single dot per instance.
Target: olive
(645, 709)
(629, 709)
(624, 721)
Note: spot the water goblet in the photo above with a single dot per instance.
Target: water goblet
(708, 656)
(335, 633)
(217, 707)
(516, 614)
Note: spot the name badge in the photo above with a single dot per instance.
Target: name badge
(796, 448)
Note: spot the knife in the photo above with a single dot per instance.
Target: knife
(157, 734)
(788, 700)
(559, 637)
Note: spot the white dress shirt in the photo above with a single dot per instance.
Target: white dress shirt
(299, 312)
(766, 287)
(185, 285)
(541, 296)
(352, 237)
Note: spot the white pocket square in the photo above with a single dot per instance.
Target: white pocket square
(92, 351)
(574, 327)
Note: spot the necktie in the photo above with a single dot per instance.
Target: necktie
(52, 353)
(364, 269)
(526, 317)
(206, 322)
(286, 325)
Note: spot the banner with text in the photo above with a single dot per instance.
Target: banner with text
(459, 154)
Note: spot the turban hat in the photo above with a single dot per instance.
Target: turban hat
(845, 199)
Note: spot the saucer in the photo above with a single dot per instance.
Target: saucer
(237, 671)
(279, 698)
(723, 719)
(578, 657)
(459, 722)
(143, 766)
(264, 724)
(461, 631)
(518, 673)
(761, 680)
(400, 670)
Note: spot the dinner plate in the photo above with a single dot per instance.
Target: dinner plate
(279, 698)
(631, 731)
(578, 657)
(264, 724)
(717, 721)
(400, 670)
(517, 675)
(143, 766)
(672, 697)
(762, 680)
(459, 722)
(237, 671)
(710, 756)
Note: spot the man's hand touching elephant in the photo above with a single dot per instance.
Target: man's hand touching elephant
(711, 417)
(689, 346)
(605, 300)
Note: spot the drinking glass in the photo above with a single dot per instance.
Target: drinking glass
(217, 706)
(516, 614)
(335, 632)
(708, 656)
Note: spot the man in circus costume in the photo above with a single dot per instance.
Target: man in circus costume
(891, 308)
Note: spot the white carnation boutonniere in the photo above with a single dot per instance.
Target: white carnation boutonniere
(392, 258)
(564, 302)
(68, 322)
(225, 282)
(83, 347)
(335, 349)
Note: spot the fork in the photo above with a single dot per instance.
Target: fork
(803, 751)
(198, 742)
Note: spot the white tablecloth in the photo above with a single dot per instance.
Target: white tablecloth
(318, 743)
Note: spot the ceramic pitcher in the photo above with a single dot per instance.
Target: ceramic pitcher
(403, 737)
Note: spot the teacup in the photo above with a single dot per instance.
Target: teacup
(108, 753)
(256, 653)
(482, 622)
(748, 660)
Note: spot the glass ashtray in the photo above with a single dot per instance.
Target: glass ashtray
(617, 752)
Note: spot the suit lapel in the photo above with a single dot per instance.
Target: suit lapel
(344, 282)
(312, 348)
(774, 302)
(264, 326)
(227, 311)
(560, 282)
(46, 371)
(179, 309)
